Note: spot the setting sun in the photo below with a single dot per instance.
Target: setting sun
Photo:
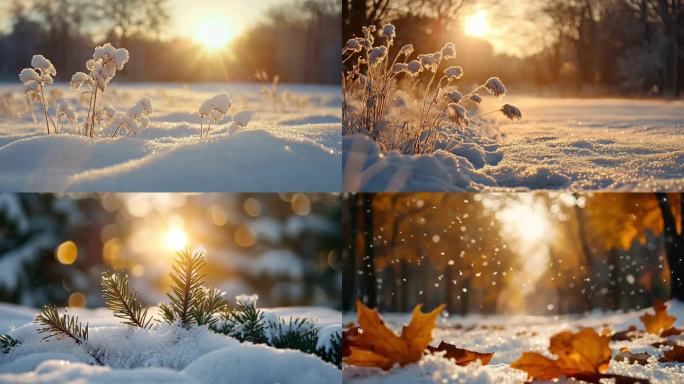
(176, 238)
(477, 24)
(213, 34)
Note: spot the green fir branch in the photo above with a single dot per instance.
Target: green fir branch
(210, 304)
(299, 333)
(245, 323)
(60, 326)
(7, 342)
(333, 354)
(122, 300)
(65, 325)
(187, 282)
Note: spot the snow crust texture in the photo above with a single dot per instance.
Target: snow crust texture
(508, 337)
(561, 144)
(260, 148)
(164, 354)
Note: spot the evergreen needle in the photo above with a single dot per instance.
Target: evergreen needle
(122, 300)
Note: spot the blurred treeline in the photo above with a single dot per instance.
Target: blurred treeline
(586, 47)
(283, 247)
(599, 251)
(296, 40)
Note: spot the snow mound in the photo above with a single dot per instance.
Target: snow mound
(41, 164)
(367, 169)
(63, 371)
(508, 336)
(258, 364)
(435, 369)
(224, 164)
(261, 149)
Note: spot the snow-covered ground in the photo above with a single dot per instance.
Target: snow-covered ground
(574, 144)
(164, 354)
(296, 147)
(508, 337)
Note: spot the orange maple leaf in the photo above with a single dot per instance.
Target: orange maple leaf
(378, 346)
(660, 321)
(584, 352)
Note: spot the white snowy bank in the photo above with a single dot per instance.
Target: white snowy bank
(508, 337)
(560, 144)
(293, 148)
(164, 353)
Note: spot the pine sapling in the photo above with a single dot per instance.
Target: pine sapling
(332, 354)
(245, 322)
(187, 282)
(122, 300)
(299, 333)
(210, 303)
(7, 342)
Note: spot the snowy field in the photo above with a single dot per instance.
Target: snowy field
(508, 337)
(164, 354)
(574, 144)
(295, 146)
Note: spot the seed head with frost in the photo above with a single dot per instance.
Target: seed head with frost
(79, 80)
(28, 75)
(475, 98)
(448, 51)
(377, 55)
(457, 112)
(430, 61)
(512, 112)
(453, 73)
(65, 111)
(414, 68)
(406, 50)
(141, 111)
(495, 87)
(400, 67)
(243, 118)
(389, 31)
(353, 46)
(215, 107)
(453, 96)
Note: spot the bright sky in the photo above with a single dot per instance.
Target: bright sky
(225, 18)
(221, 20)
(507, 27)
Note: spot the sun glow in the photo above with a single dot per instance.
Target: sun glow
(477, 24)
(213, 34)
(176, 238)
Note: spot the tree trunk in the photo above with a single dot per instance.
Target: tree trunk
(349, 220)
(674, 247)
(403, 285)
(370, 292)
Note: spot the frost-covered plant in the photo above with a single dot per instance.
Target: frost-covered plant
(245, 322)
(7, 342)
(35, 79)
(214, 108)
(65, 326)
(101, 70)
(66, 112)
(134, 120)
(248, 323)
(243, 118)
(374, 80)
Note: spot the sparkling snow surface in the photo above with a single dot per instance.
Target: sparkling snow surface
(294, 148)
(576, 144)
(509, 337)
(163, 354)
